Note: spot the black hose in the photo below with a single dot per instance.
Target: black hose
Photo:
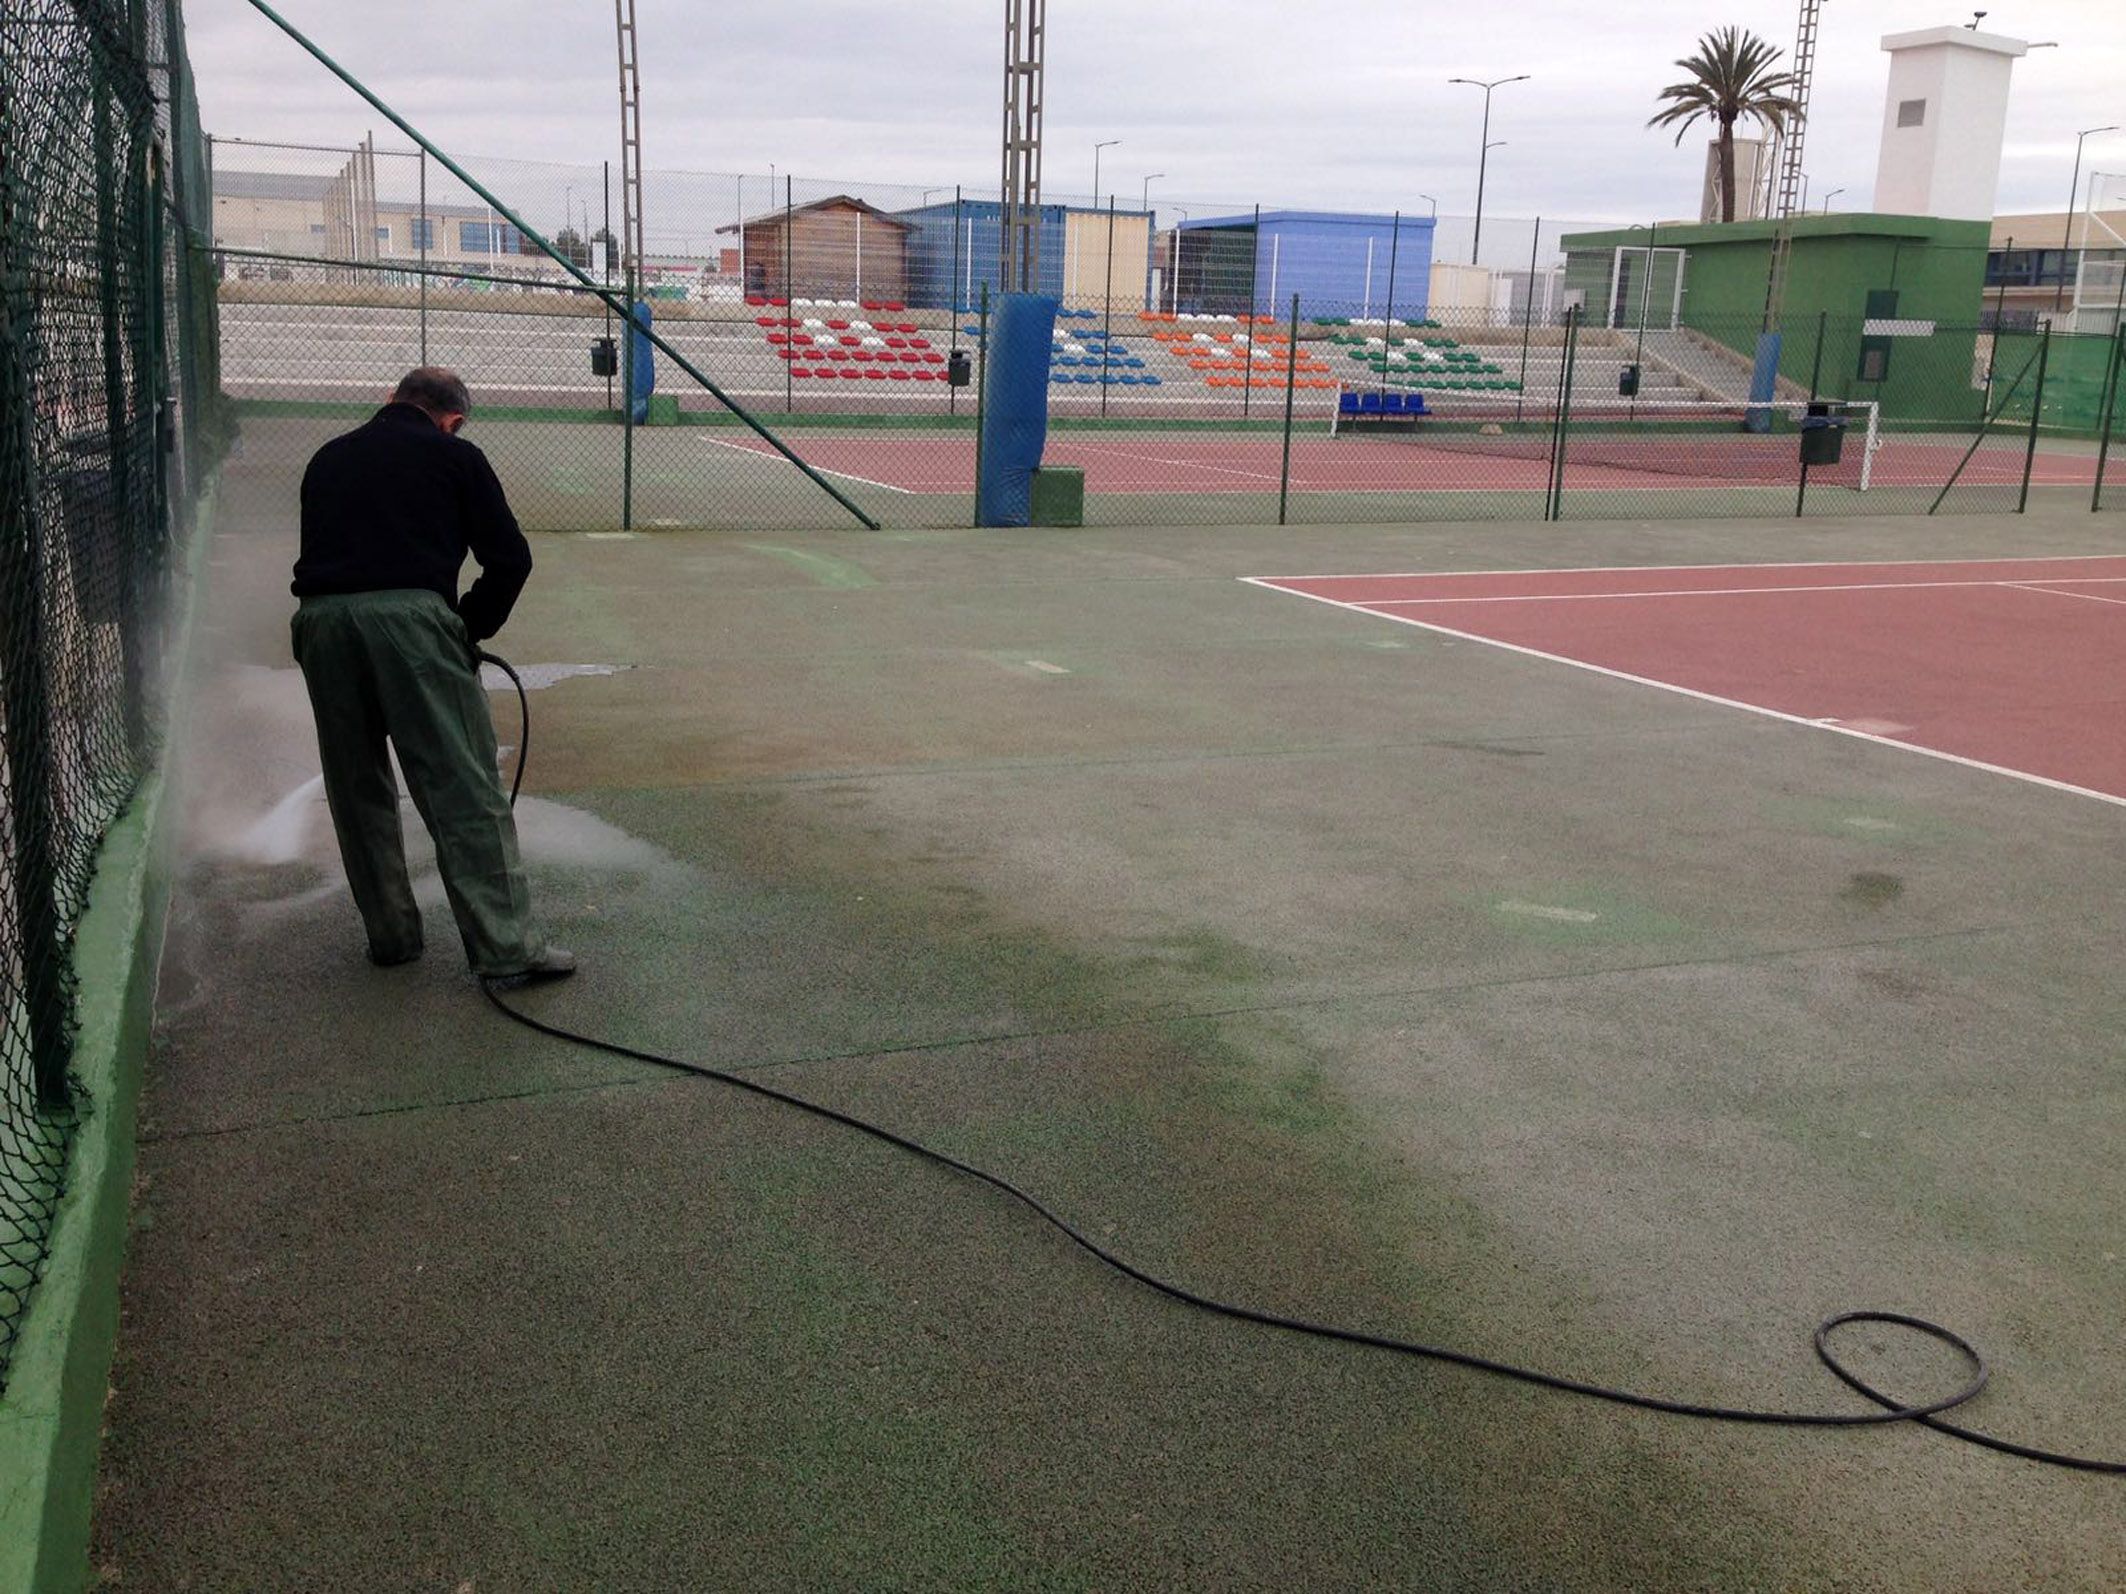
(481, 655)
(1926, 1413)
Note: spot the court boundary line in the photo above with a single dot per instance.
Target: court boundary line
(1270, 584)
(1751, 592)
(1783, 564)
(849, 476)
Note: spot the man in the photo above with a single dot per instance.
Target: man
(389, 512)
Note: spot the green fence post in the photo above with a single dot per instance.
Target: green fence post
(1291, 369)
(1801, 493)
(981, 388)
(2112, 375)
(627, 406)
(1561, 423)
(2037, 415)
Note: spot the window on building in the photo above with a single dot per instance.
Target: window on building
(423, 229)
(1911, 113)
(2029, 268)
(383, 236)
(487, 238)
(317, 229)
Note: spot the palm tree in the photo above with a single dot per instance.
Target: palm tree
(1731, 78)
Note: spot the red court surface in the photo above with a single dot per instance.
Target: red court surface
(2014, 665)
(1195, 462)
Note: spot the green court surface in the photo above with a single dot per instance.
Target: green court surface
(1338, 967)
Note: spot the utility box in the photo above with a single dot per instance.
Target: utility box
(1058, 496)
(664, 410)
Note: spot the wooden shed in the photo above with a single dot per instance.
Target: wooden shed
(838, 248)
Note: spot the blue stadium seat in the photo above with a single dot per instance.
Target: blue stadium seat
(1369, 403)
(1348, 404)
(1085, 376)
(1149, 379)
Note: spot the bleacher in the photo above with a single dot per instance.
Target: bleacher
(827, 348)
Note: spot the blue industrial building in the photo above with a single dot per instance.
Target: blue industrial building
(944, 269)
(1339, 263)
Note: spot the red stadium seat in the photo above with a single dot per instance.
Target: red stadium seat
(907, 326)
(839, 326)
(924, 376)
(852, 341)
(850, 376)
(896, 343)
(933, 359)
(800, 371)
(757, 300)
(893, 304)
(776, 300)
(872, 304)
(778, 337)
(837, 354)
(918, 343)
(862, 354)
(909, 358)
(900, 376)
(765, 321)
(875, 375)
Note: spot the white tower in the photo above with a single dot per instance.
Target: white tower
(1943, 122)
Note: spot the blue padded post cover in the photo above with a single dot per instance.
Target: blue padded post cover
(1014, 407)
(644, 368)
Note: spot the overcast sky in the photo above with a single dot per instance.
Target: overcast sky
(1285, 102)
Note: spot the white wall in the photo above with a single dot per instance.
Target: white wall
(1949, 164)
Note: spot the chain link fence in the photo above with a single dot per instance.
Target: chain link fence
(107, 382)
(1212, 362)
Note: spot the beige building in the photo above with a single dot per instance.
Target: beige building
(2070, 266)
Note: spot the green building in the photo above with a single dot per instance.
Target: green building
(1876, 307)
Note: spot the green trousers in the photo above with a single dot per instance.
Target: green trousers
(397, 667)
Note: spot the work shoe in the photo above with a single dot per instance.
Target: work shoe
(390, 960)
(553, 964)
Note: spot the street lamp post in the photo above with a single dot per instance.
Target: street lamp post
(2074, 188)
(1105, 143)
(1145, 203)
(1484, 150)
(1827, 198)
(1428, 199)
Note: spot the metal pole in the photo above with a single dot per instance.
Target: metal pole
(2000, 306)
(1561, 424)
(1254, 273)
(627, 397)
(981, 388)
(1291, 367)
(789, 285)
(952, 300)
(1646, 294)
(2112, 384)
(2037, 415)
(1387, 314)
(1527, 319)
(608, 276)
(423, 234)
(657, 339)
(1801, 493)
(1107, 297)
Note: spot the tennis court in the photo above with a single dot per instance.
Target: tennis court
(2017, 666)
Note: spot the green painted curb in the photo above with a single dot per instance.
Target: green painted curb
(51, 1417)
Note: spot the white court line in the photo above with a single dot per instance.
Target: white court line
(1706, 697)
(1745, 592)
(769, 453)
(1189, 464)
(2054, 592)
(1785, 564)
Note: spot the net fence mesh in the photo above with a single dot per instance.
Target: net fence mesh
(834, 309)
(107, 383)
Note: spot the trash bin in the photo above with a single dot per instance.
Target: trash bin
(1628, 382)
(1822, 436)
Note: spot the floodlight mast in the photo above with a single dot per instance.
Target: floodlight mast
(1791, 181)
(631, 262)
(1019, 243)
